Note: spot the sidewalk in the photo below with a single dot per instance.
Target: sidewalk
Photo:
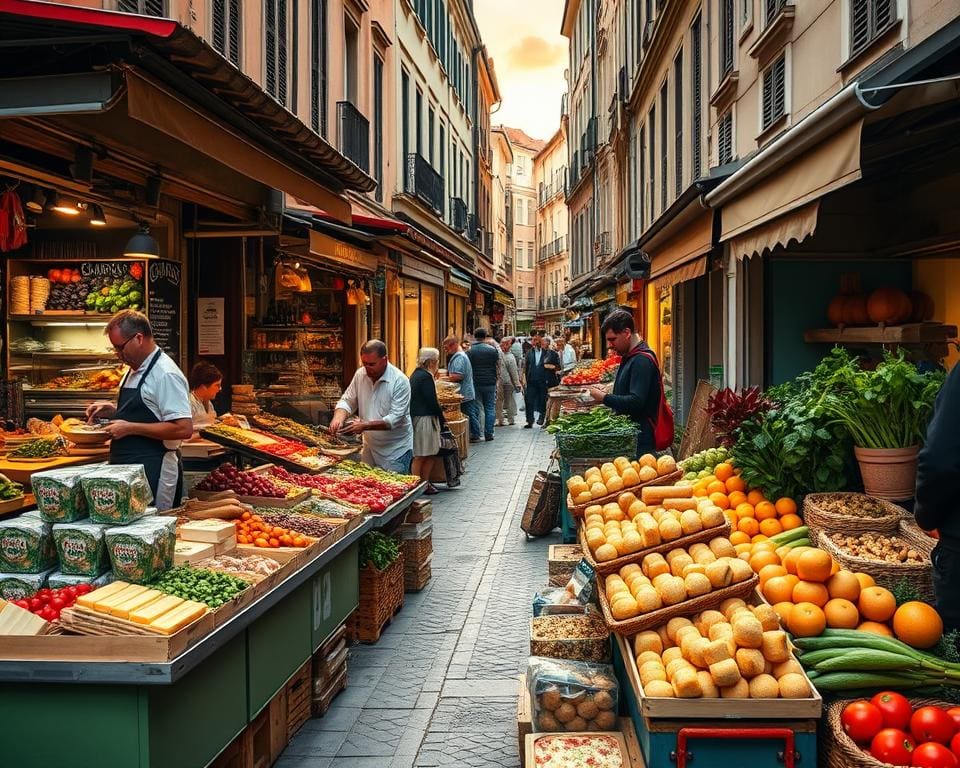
(440, 688)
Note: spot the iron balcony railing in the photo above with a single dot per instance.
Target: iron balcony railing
(473, 228)
(458, 214)
(556, 246)
(602, 246)
(354, 135)
(424, 183)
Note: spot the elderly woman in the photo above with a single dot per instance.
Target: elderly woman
(426, 414)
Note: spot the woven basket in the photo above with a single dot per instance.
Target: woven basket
(838, 750)
(920, 575)
(577, 510)
(612, 444)
(416, 551)
(819, 519)
(663, 615)
(381, 595)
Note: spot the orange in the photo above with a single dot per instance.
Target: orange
(743, 548)
(779, 589)
(770, 527)
(700, 489)
(764, 545)
(865, 579)
(917, 624)
(835, 568)
(786, 506)
(768, 572)
(758, 539)
(876, 627)
(735, 484)
(759, 559)
(789, 522)
(845, 585)
(749, 526)
(736, 498)
(723, 471)
(716, 487)
(790, 559)
(745, 510)
(732, 517)
(720, 499)
(755, 496)
(784, 610)
(841, 614)
(877, 604)
(806, 620)
(814, 565)
(738, 537)
(810, 592)
(765, 510)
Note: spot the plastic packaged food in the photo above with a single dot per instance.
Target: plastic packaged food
(26, 545)
(117, 494)
(59, 492)
(578, 638)
(554, 601)
(571, 695)
(16, 586)
(142, 550)
(58, 579)
(81, 548)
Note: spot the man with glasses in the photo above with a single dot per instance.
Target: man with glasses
(636, 389)
(152, 414)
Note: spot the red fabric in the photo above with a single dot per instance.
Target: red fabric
(13, 224)
(663, 427)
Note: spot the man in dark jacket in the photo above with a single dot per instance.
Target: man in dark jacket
(938, 472)
(485, 360)
(540, 371)
(636, 390)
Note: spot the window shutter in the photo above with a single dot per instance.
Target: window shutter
(725, 139)
(318, 67)
(142, 7)
(883, 13)
(728, 38)
(695, 87)
(220, 25)
(233, 33)
(678, 122)
(775, 92)
(282, 51)
(270, 39)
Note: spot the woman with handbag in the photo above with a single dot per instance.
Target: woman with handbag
(426, 414)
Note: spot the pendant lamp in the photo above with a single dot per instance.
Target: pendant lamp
(142, 245)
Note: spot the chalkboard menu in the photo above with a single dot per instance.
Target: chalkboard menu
(163, 287)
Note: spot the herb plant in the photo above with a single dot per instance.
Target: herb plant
(379, 549)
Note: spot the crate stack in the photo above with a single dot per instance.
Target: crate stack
(416, 542)
(329, 671)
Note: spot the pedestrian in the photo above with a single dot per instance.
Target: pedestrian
(637, 387)
(568, 355)
(516, 349)
(540, 373)
(486, 377)
(938, 472)
(152, 415)
(427, 415)
(466, 344)
(378, 396)
(509, 386)
(460, 371)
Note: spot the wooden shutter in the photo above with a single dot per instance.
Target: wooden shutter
(774, 92)
(725, 139)
(696, 76)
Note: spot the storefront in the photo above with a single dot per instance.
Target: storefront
(458, 289)
(421, 290)
(500, 312)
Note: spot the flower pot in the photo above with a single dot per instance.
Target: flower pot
(889, 473)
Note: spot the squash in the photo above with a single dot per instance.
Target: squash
(855, 311)
(922, 307)
(835, 310)
(889, 306)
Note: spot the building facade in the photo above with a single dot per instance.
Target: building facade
(552, 274)
(502, 215)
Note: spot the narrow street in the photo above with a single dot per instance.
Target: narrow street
(440, 687)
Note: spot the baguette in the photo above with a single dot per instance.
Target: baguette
(657, 494)
(681, 505)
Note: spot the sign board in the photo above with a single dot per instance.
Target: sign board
(210, 326)
(163, 306)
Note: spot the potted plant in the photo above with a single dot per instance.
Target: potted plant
(886, 411)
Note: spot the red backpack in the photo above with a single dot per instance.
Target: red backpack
(663, 425)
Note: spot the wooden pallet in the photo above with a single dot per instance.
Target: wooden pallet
(322, 703)
(368, 634)
(299, 694)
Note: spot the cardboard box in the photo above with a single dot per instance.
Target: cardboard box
(191, 552)
(225, 547)
(211, 531)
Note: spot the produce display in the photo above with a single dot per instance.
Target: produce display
(597, 432)
(327, 508)
(283, 448)
(359, 469)
(368, 492)
(572, 696)
(254, 529)
(702, 464)
(59, 494)
(116, 493)
(243, 567)
(378, 549)
(227, 477)
(225, 509)
(47, 603)
(737, 652)
(578, 638)
(70, 290)
(101, 379)
(307, 525)
(26, 545)
(619, 475)
(41, 448)
(311, 435)
(81, 548)
(212, 588)
(142, 550)
(577, 751)
(236, 434)
(872, 546)
(593, 372)
(153, 608)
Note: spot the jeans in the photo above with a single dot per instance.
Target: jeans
(535, 399)
(487, 400)
(471, 409)
(401, 465)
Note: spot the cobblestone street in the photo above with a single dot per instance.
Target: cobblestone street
(440, 686)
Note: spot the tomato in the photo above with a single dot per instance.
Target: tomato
(45, 594)
(35, 603)
(895, 708)
(58, 603)
(955, 743)
(861, 721)
(71, 591)
(933, 755)
(47, 613)
(83, 589)
(53, 275)
(954, 712)
(25, 604)
(893, 746)
(932, 724)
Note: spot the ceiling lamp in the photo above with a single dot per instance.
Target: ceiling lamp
(63, 205)
(97, 219)
(142, 245)
(36, 201)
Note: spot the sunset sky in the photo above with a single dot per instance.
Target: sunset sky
(529, 55)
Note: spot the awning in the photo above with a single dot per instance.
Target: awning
(794, 226)
(332, 250)
(459, 283)
(503, 298)
(687, 271)
(684, 255)
(420, 269)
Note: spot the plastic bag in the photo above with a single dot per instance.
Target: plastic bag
(571, 695)
(143, 550)
(555, 601)
(117, 494)
(17, 586)
(81, 548)
(26, 545)
(58, 580)
(59, 492)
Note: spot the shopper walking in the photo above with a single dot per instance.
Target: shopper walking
(485, 360)
(460, 371)
(540, 373)
(568, 355)
(509, 386)
(426, 414)
(516, 349)
(379, 397)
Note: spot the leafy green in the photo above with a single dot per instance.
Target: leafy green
(379, 549)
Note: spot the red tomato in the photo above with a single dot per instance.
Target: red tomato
(861, 721)
(933, 755)
(35, 603)
(955, 744)
(25, 604)
(83, 589)
(58, 603)
(892, 746)
(45, 594)
(895, 708)
(53, 275)
(954, 712)
(932, 724)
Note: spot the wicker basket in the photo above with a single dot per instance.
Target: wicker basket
(577, 510)
(819, 519)
(416, 551)
(920, 575)
(612, 444)
(381, 596)
(838, 750)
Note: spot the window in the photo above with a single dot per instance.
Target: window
(678, 121)
(696, 93)
(351, 61)
(725, 139)
(143, 7)
(405, 100)
(641, 178)
(318, 66)
(226, 28)
(275, 30)
(530, 299)
(868, 20)
(520, 165)
(442, 146)
(418, 122)
(431, 118)
(519, 252)
(772, 9)
(663, 147)
(775, 92)
(378, 125)
(726, 37)
(529, 255)
(651, 168)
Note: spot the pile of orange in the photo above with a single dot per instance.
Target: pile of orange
(752, 516)
(253, 529)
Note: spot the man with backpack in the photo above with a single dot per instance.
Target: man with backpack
(638, 388)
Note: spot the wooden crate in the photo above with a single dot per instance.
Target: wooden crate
(562, 560)
(381, 596)
(298, 693)
(524, 719)
(235, 755)
(322, 702)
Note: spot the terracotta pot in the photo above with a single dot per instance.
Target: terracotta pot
(888, 473)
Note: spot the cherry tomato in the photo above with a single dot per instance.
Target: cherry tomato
(895, 708)
(932, 724)
(954, 712)
(47, 613)
(83, 589)
(955, 744)
(58, 603)
(45, 594)
(861, 721)
(25, 604)
(933, 755)
(892, 745)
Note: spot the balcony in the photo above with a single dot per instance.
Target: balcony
(424, 183)
(602, 246)
(555, 247)
(354, 131)
(458, 214)
(473, 229)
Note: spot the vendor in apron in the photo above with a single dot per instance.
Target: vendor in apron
(152, 413)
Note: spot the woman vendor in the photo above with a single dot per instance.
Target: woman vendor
(205, 382)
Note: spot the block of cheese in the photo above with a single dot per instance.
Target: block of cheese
(155, 609)
(132, 590)
(179, 617)
(211, 530)
(14, 620)
(191, 552)
(226, 546)
(91, 598)
(122, 611)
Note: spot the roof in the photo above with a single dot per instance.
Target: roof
(557, 138)
(520, 139)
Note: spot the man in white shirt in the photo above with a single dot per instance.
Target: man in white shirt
(379, 394)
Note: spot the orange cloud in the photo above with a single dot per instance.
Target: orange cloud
(533, 52)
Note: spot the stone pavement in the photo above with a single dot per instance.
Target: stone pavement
(440, 687)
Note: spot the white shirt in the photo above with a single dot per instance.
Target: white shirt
(569, 356)
(203, 414)
(386, 399)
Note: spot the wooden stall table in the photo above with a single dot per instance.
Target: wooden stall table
(20, 471)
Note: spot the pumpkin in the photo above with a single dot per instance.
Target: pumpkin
(835, 310)
(922, 307)
(855, 311)
(888, 305)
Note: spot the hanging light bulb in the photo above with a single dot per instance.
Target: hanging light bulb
(62, 205)
(97, 219)
(142, 245)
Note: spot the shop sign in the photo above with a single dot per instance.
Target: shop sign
(420, 270)
(478, 299)
(502, 297)
(163, 304)
(210, 326)
(326, 247)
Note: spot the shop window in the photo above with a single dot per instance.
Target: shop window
(775, 92)
(143, 7)
(226, 28)
(318, 66)
(419, 311)
(665, 340)
(725, 139)
(868, 20)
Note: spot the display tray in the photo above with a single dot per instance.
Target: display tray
(253, 501)
(288, 462)
(26, 460)
(404, 500)
(577, 510)
(201, 449)
(89, 450)
(726, 709)
(12, 505)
